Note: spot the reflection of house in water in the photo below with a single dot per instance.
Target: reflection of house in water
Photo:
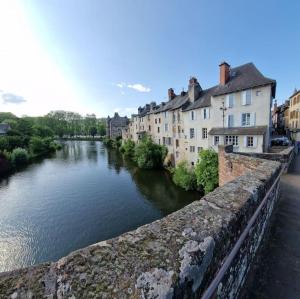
(115, 125)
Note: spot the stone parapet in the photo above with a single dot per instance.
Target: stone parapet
(174, 257)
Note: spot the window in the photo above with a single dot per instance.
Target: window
(149, 128)
(204, 133)
(234, 140)
(174, 117)
(192, 133)
(230, 121)
(158, 129)
(178, 116)
(250, 142)
(216, 140)
(192, 149)
(205, 113)
(192, 115)
(177, 154)
(156, 120)
(230, 100)
(159, 120)
(199, 149)
(177, 143)
(164, 140)
(159, 141)
(258, 93)
(246, 97)
(166, 127)
(245, 119)
(165, 114)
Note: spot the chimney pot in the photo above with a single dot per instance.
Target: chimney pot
(171, 94)
(224, 73)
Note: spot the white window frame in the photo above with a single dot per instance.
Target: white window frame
(230, 124)
(192, 148)
(166, 127)
(204, 133)
(247, 122)
(247, 97)
(192, 133)
(216, 140)
(230, 100)
(232, 139)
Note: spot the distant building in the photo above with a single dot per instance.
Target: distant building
(115, 125)
(280, 118)
(294, 120)
(4, 128)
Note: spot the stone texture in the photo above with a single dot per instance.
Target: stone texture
(175, 257)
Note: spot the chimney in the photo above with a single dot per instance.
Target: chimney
(171, 94)
(224, 73)
(194, 89)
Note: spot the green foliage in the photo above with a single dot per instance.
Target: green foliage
(184, 177)
(19, 157)
(128, 148)
(42, 131)
(11, 142)
(207, 170)
(93, 131)
(6, 115)
(39, 146)
(149, 155)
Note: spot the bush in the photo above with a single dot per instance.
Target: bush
(207, 170)
(149, 155)
(43, 131)
(184, 177)
(19, 157)
(39, 146)
(11, 142)
(128, 148)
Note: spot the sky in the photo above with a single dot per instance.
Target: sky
(106, 56)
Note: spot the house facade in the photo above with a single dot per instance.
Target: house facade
(115, 125)
(294, 119)
(236, 111)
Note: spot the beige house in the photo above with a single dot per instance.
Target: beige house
(236, 111)
(294, 119)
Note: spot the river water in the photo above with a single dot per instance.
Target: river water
(84, 194)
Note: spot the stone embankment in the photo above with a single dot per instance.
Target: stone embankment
(175, 257)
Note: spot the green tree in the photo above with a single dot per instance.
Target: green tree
(206, 170)
(149, 155)
(184, 177)
(42, 131)
(128, 148)
(93, 131)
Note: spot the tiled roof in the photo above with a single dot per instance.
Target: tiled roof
(258, 130)
(241, 78)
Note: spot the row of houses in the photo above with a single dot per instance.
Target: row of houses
(235, 111)
(286, 117)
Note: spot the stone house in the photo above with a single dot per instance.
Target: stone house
(236, 111)
(115, 125)
(294, 119)
(4, 128)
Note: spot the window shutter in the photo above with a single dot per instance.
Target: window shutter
(232, 121)
(207, 113)
(255, 141)
(244, 98)
(253, 119)
(228, 121)
(245, 141)
(227, 101)
(233, 101)
(241, 119)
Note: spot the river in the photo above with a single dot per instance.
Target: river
(83, 194)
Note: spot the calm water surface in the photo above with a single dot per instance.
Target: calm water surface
(82, 195)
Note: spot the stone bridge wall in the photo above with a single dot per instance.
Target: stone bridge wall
(175, 257)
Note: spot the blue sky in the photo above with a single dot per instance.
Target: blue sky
(101, 56)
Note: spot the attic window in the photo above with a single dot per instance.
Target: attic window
(258, 93)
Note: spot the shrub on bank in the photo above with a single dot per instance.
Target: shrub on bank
(206, 170)
(19, 157)
(39, 146)
(148, 154)
(128, 148)
(184, 177)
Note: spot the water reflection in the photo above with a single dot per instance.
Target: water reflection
(73, 199)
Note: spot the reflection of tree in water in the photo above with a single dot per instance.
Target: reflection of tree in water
(71, 150)
(92, 151)
(115, 160)
(155, 185)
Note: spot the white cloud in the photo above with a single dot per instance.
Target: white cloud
(10, 98)
(136, 86)
(139, 87)
(126, 111)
